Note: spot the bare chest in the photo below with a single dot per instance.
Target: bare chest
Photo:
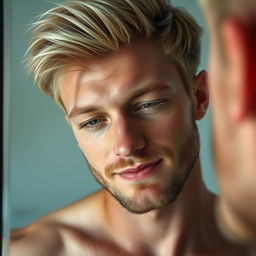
(80, 243)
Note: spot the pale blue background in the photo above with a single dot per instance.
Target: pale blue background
(47, 169)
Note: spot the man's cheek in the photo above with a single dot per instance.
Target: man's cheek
(169, 128)
(95, 151)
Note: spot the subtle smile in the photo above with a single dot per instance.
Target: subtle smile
(139, 172)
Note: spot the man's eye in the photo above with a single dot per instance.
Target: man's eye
(93, 123)
(149, 106)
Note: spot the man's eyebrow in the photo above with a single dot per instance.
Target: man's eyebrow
(147, 90)
(80, 110)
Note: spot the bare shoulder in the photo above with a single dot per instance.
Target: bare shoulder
(70, 228)
(36, 239)
(86, 213)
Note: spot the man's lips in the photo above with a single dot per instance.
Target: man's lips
(140, 171)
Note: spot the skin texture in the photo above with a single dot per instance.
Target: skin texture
(232, 88)
(139, 112)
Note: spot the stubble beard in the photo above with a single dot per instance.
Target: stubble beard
(188, 156)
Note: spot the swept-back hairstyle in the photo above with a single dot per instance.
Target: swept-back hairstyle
(81, 29)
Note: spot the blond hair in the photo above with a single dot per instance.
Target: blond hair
(81, 29)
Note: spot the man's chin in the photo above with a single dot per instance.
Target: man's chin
(144, 201)
(139, 208)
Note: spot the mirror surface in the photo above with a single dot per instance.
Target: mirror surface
(47, 170)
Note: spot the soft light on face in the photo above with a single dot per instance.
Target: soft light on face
(133, 121)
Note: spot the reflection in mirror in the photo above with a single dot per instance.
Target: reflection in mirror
(48, 170)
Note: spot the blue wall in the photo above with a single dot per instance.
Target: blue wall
(47, 169)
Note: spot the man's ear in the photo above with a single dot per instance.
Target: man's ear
(200, 97)
(239, 42)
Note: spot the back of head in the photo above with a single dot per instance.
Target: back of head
(83, 29)
(220, 9)
(240, 17)
(232, 82)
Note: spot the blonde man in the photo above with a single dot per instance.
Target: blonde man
(232, 82)
(124, 73)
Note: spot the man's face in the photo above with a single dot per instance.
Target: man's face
(133, 121)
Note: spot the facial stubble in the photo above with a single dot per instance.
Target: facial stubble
(188, 156)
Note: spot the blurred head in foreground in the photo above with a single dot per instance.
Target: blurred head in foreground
(232, 82)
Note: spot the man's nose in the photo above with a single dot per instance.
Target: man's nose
(128, 137)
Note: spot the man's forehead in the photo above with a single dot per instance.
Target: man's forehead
(108, 90)
(120, 66)
(113, 83)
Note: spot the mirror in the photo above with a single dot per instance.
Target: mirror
(47, 170)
